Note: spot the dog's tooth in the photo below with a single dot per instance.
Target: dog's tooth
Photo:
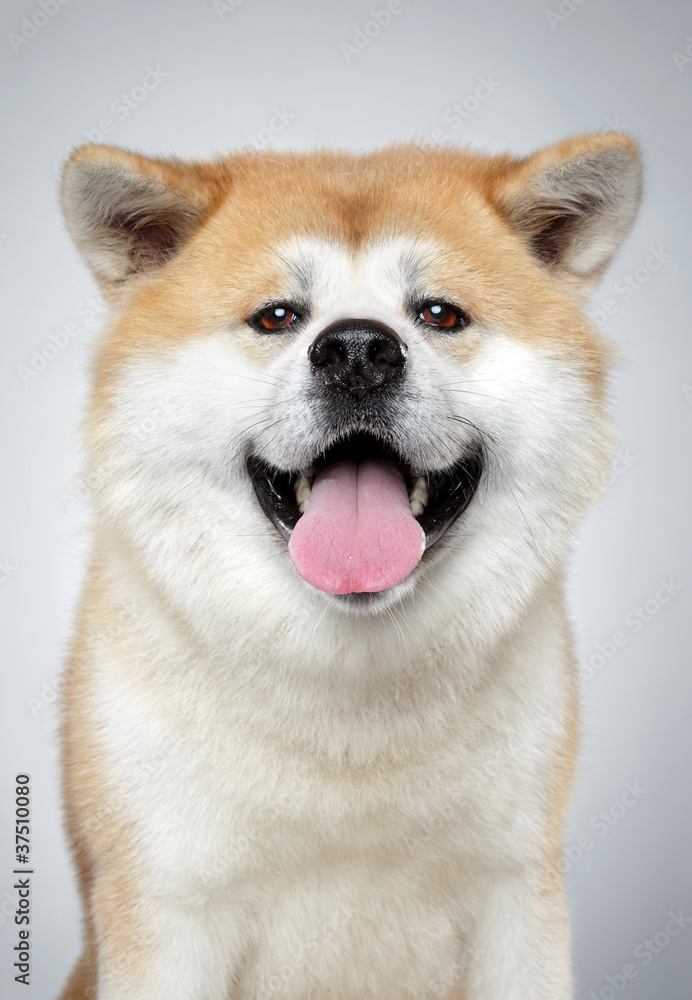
(302, 490)
(418, 496)
(308, 473)
(420, 490)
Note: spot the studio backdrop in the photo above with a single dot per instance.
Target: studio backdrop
(204, 76)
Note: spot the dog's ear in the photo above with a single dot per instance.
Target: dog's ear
(573, 203)
(129, 214)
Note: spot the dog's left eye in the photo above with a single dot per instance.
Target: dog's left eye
(276, 317)
(437, 313)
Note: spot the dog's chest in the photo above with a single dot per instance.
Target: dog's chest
(309, 860)
(236, 811)
(319, 865)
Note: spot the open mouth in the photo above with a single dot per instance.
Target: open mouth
(359, 517)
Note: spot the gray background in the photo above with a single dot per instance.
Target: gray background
(606, 63)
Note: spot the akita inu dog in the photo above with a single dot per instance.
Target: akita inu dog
(319, 722)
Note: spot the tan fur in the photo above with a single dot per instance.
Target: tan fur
(455, 198)
(210, 264)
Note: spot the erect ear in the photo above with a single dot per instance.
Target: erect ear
(129, 214)
(574, 203)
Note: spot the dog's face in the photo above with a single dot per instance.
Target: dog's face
(349, 383)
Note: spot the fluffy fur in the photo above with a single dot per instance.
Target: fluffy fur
(271, 792)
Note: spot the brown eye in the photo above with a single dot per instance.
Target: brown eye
(277, 317)
(443, 315)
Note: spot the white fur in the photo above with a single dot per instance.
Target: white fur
(339, 804)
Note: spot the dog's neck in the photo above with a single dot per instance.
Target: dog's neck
(368, 687)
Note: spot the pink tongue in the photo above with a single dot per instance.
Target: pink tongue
(358, 532)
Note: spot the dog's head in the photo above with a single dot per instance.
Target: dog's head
(350, 381)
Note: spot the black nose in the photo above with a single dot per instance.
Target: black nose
(357, 356)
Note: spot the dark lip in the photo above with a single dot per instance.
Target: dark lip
(451, 490)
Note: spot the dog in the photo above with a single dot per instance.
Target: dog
(319, 720)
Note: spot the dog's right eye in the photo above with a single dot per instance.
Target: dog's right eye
(275, 317)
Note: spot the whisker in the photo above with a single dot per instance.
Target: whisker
(273, 381)
(323, 613)
(258, 423)
(472, 392)
(388, 611)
